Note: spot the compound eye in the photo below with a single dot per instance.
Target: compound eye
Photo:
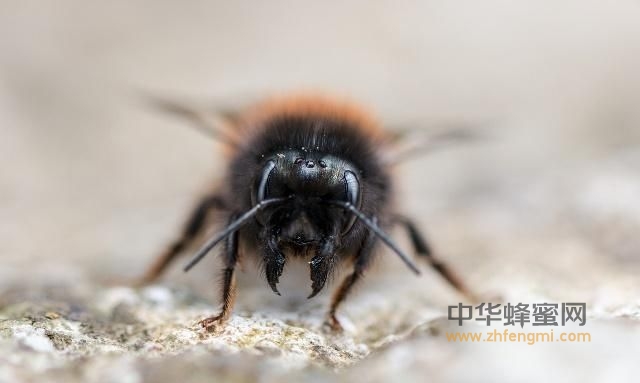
(262, 187)
(261, 193)
(353, 194)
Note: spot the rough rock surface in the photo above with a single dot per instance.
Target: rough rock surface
(121, 334)
(86, 332)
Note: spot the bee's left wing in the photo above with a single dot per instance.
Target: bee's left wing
(410, 143)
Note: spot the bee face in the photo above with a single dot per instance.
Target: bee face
(309, 180)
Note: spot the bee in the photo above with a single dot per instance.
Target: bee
(307, 179)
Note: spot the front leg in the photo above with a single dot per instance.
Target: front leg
(322, 263)
(363, 260)
(228, 284)
(274, 261)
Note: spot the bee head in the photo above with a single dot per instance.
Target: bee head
(309, 179)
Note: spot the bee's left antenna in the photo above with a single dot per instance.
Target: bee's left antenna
(378, 232)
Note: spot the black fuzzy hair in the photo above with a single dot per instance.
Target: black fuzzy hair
(313, 135)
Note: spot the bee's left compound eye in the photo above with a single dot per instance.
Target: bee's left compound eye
(353, 194)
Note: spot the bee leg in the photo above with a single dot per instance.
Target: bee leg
(191, 229)
(423, 250)
(363, 259)
(228, 282)
(321, 265)
(274, 261)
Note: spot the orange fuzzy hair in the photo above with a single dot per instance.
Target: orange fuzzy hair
(316, 105)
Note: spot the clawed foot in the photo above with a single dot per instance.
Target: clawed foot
(333, 324)
(140, 282)
(214, 323)
(126, 282)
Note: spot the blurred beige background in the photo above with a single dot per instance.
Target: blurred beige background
(93, 183)
(93, 180)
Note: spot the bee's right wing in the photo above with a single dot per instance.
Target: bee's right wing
(216, 123)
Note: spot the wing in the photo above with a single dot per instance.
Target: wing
(411, 143)
(216, 123)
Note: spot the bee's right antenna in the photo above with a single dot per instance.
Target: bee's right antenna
(233, 227)
(377, 231)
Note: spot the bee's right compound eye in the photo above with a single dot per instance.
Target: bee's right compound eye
(263, 183)
(353, 195)
(262, 187)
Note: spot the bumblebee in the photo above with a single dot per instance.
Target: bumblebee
(307, 178)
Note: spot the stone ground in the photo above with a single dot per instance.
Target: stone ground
(93, 184)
